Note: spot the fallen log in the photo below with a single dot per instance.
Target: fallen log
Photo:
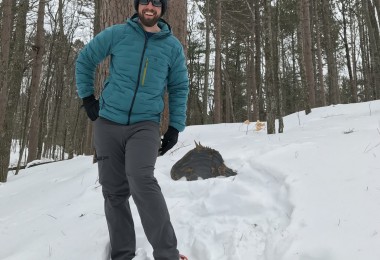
(29, 165)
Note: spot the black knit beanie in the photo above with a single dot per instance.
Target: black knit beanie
(163, 8)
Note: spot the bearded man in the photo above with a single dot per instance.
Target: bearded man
(145, 61)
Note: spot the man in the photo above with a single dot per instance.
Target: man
(145, 59)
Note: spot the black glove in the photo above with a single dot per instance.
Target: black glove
(92, 107)
(169, 140)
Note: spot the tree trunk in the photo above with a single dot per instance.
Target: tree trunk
(251, 77)
(368, 51)
(48, 91)
(269, 77)
(294, 105)
(59, 79)
(6, 31)
(307, 54)
(374, 41)
(301, 61)
(276, 71)
(38, 52)
(353, 30)
(207, 64)
(334, 95)
(16, 74)
(227, 84)
(258, 111)
(365, 96)
(251, 82)
(353, 96)
(217, 72)
(177, 18)
(194, 82)
(322, 93)
(377, 6)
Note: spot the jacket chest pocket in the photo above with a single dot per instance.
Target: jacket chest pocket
(154, 71)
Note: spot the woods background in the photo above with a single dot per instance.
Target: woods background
(247, 60)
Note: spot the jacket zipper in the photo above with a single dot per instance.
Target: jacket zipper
(145, 69)
(138, 81)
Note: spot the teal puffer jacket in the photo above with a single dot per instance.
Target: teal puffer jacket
(140, 69)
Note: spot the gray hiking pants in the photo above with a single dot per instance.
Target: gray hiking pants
(126, 159)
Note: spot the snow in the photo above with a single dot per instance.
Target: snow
(311, 193)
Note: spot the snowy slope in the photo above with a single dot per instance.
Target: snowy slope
(311, 193)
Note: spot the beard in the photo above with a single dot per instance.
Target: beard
(148, 21)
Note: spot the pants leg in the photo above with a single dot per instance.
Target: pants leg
(140, 157)
(115, 187)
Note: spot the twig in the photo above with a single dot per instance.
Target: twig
(349, 131)
(373, 147)
(366, 151)
(182, 146)
(333, 115)
(51, 216)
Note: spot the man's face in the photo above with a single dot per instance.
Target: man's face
(149, 14)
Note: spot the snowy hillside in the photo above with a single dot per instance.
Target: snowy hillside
(311, 193)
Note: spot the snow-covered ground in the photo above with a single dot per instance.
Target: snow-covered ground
(311, 193)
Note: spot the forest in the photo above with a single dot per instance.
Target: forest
(247, 60)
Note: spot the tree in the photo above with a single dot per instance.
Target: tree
(334, 95)
(321, 94)
(353, 87)
(374, 45)
(177, 18)
(307, 55)
(5, 127)
(254, 73)
(269, 73)
(6, 31)
(33, 122)
(194, 115)
(207, 64)
(217, 72)
(259, 100)
(276, 70)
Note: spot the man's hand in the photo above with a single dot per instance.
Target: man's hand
(91, 105)
(169, 140)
